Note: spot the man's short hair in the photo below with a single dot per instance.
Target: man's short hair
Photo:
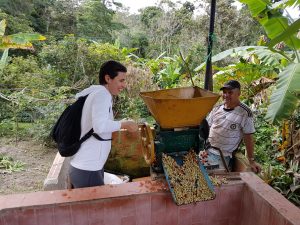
(110, 68)
(231, 84)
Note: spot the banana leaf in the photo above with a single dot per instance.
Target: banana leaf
(224, 54)
(285, 3)
(269, 57)
(293, 28)
(23, 38)
(2, 27)
(256, 6)
(266, 55)
(27, 46)
(3, 59)
(285, 99)
(274, 23)
(278, 26)
(20, 41)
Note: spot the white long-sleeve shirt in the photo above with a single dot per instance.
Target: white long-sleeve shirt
(97, 114)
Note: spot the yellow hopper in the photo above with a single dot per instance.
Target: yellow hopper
(179, 107)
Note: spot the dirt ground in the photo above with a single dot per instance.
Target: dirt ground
(37, 161)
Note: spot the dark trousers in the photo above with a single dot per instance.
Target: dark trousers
(84, 178)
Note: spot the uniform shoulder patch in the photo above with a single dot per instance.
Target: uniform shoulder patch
(247, 109)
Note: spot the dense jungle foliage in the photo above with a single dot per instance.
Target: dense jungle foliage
(52, 49)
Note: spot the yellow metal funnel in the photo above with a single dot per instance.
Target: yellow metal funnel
(179, 107)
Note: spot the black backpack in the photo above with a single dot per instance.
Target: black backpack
(67, 130)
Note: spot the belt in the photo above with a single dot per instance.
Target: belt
(222, 157)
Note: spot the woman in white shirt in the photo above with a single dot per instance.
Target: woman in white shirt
(87, 165)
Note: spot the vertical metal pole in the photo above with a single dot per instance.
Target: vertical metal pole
(208, 82)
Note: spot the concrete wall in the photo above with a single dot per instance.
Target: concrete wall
(146, 202)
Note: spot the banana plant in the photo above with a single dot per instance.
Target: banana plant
(14, 41)
(285, 98)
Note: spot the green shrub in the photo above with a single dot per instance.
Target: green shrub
(7, 164)
(43, 126)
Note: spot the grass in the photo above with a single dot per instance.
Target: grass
(8, 165)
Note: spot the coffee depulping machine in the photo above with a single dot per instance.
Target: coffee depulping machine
(179, 114)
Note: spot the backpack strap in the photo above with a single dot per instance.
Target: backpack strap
(86, 136)
(99, 138)
(91, 133)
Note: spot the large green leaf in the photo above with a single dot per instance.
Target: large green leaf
(23, 38)
(225, 54)
(20, 41)
(3, 59)
(27, 46)
(2, 27)
(285, 99)
(266, 55)
(292, 29)
(278, 25)
(274, 23)
(292, 2)
(284, 3)
(256, 6)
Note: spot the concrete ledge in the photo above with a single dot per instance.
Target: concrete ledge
(146, 202)
(264, 205)
(58, 173)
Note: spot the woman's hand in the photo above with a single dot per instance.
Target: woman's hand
(129, 125)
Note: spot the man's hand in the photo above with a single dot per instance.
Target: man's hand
(249, 143)
(129, 125)
(255, 167)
